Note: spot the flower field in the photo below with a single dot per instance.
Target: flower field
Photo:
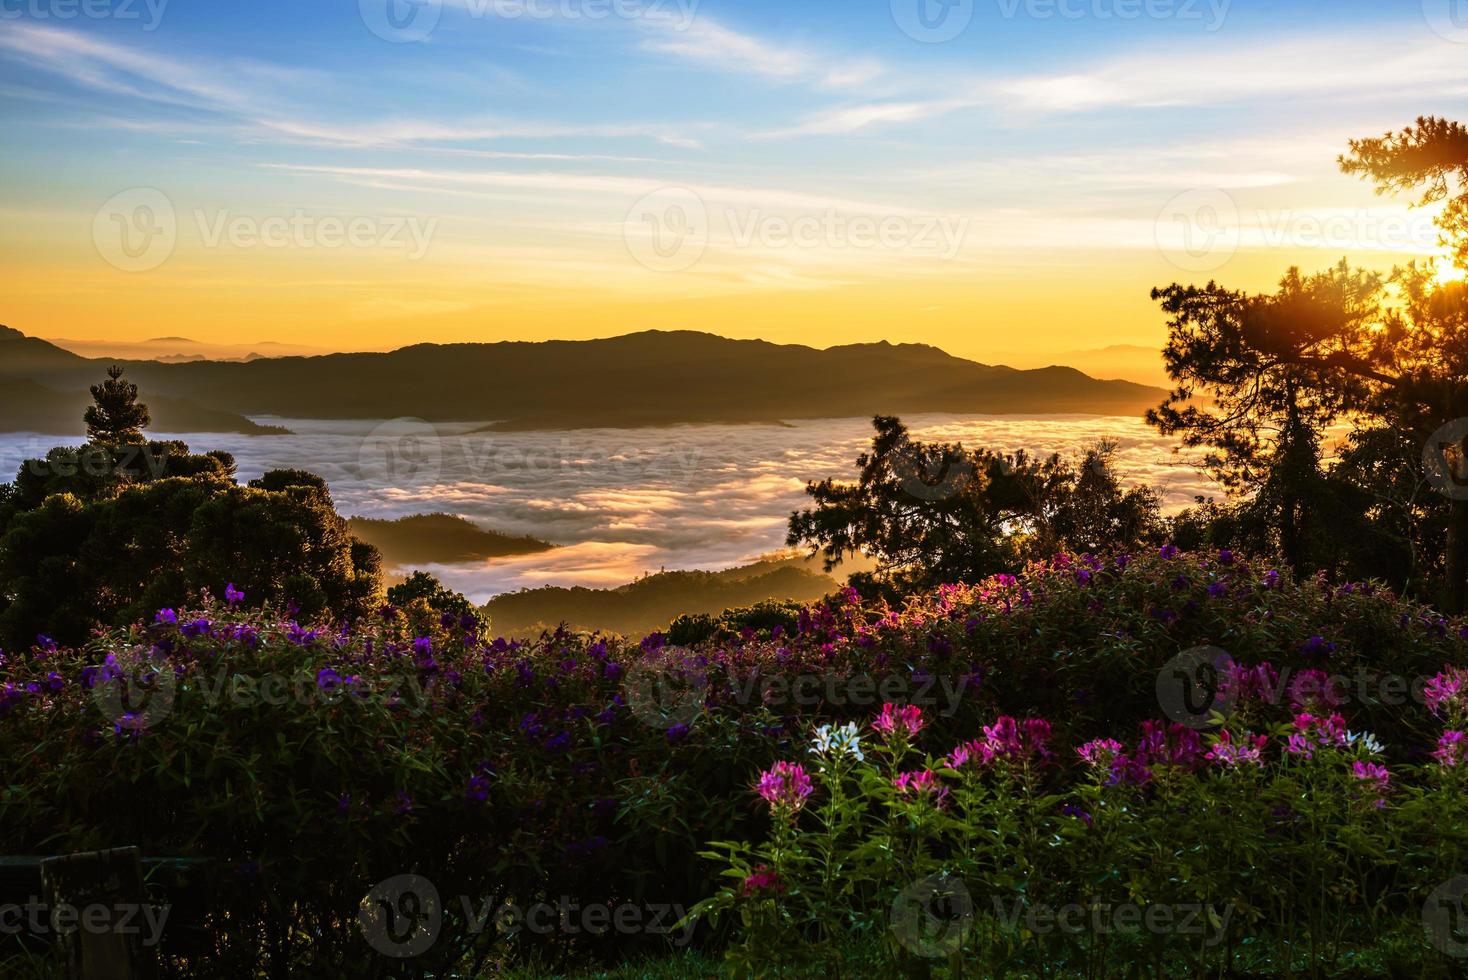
(1164, 764)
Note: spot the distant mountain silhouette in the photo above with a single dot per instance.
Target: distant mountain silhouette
(642, 379)
(55, 407)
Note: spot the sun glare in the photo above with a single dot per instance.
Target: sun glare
(1447, 272)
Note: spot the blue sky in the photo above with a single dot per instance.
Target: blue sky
(1058, 133)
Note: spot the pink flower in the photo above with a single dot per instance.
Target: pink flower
(1452, 749)
(1129, 771)
(1225, 752)
(785, 787)
(1332, 731)
(1376, 776)
(1100, 751)
(921, 785)
(1252, 683)
(975, 751)
(1298, 744)
(908, 717)
(1447, 693)
(762, 880)
(1324, 732)
(1169, 744)
(1003, 736)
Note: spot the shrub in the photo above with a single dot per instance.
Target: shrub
(597, 770)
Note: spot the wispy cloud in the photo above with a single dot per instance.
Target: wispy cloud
(243, 92)
(713, 46)
(1359, 67)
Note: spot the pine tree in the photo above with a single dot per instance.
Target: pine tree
(117, 418)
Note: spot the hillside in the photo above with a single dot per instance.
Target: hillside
(425, 539)
(652, 602)
(643, 379)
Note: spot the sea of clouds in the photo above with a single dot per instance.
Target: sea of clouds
(623, 502)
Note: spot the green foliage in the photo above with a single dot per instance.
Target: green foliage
(1002, 859)
(117, 418)
(930, 514)
(763, 619)
(421, 586)
(504, 770)
(72, 563)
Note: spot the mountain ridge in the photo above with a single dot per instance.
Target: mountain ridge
(641, 379)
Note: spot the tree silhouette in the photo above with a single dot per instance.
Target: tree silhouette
(1265, 402)
(1326, 347)
(117, 418)
(937, 513)
(1432, 156)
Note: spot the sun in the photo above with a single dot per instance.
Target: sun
(1447, 272)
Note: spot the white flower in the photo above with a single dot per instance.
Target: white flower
(1365, 740)
(839, 741)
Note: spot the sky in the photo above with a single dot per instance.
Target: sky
(990, 176)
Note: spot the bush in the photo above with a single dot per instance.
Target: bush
(126, 547)
(596, 771)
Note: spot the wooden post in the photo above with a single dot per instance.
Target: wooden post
(110, 880)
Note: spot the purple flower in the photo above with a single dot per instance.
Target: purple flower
(677, 733)
(1169, 552)
(232, 595)
(1317, 646)
(167, 617)
(328, 679)
(478, 790)
(1071, 810)
(197, 628)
